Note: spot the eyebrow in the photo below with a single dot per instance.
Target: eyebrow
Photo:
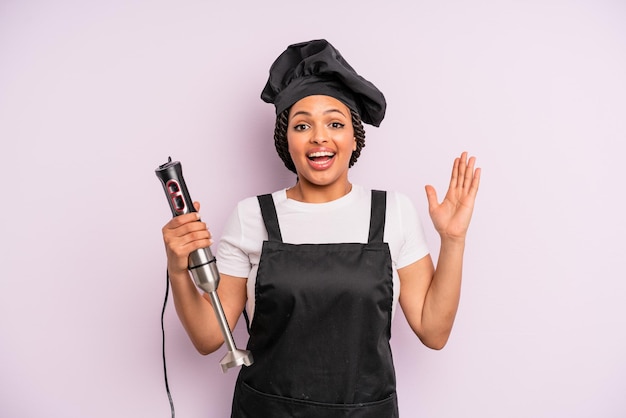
(305, 113)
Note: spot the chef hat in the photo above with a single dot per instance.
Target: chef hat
(316, 67)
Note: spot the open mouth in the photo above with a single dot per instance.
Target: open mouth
(321, 156)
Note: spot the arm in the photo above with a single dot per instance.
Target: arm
(429, 297)
(182, 235)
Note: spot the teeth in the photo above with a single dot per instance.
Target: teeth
(321, 154)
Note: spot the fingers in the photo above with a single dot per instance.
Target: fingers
(180, 220)
(461, 162)
(186, 227)
(431, 196)
(464, 174)
(468, 172)
(472, 177)
(473, 190)
(454, 178)
(182, 235)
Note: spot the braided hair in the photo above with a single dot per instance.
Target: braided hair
(282, 147)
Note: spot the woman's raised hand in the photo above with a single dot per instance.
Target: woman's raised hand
(452, 216)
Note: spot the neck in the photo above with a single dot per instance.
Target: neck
(312, 193)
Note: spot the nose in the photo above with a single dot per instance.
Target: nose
(319, 135)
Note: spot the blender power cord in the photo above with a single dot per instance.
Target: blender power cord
(167, 385)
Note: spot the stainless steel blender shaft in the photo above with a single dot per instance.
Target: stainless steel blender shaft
(206, 276)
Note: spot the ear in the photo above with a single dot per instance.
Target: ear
(354, 146)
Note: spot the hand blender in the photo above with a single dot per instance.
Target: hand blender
(202, 264)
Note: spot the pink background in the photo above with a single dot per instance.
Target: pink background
(95, 95)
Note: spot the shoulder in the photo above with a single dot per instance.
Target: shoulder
(402, 215)
(250, 205)
(396, 201)
(399, 206)
(399, 200)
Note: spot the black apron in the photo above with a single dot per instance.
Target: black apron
(321, 328)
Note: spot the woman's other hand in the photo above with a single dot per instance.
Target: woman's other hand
(182, 235)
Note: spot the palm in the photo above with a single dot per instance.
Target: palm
(452, 216)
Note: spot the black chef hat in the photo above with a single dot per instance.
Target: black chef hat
(316, 67)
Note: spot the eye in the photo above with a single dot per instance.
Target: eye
(300, 127)
(337, 125)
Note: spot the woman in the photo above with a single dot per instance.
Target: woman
(319, 267)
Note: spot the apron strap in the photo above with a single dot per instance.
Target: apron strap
(268, 211)
(377, 217)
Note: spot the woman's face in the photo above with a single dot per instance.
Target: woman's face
(321, 140)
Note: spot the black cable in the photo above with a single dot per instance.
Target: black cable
(167, 385)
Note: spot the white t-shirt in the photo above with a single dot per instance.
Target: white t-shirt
(344, 220)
